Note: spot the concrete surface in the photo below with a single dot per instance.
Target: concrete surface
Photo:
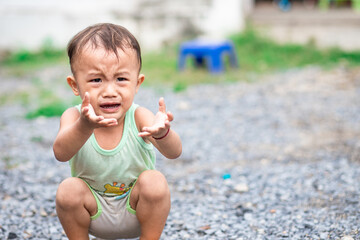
(336, 27)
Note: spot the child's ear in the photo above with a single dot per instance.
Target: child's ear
(73, 84)
(140, 80)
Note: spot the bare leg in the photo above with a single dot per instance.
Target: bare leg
(74, 205)
(151, 200)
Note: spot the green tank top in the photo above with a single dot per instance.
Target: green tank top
(114, 172)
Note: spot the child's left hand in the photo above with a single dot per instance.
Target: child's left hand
(161, 124)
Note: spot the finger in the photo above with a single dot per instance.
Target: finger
(98, 118)
(149, 130)
(86, 100)
(170, 116)
(167, 124)
(108, 122)
(155, 128)
(144, 134)
(85, 110)
(162, 106)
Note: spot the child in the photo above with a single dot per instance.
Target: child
(115, 191)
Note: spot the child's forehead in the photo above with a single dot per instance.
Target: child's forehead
(91, 52)
(91, 49)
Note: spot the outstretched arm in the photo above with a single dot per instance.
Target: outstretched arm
(156, 129)
(76, 128)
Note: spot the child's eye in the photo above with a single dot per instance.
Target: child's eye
(120, 79)
(96, 80)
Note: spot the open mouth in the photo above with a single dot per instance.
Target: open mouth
(110, 105)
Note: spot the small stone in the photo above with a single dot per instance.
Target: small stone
(27, 214)
(198, 213)
(224, 227)
(43, 213)
(346, 237)
(241, 187)
(210, 231)
(206, 227)
(27, 234)
(324, 235)
(12, 235)
(7, 197)
(248, 216)
(186, 235)
(308, 226)
(53, 230)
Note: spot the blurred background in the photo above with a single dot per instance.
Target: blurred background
(28, 24)
(156, 23)
(267, 35)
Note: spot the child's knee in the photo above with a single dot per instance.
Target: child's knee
(68, 193)
(153, 185)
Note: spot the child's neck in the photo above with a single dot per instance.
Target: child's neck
(109, 138)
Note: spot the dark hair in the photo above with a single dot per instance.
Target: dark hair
(108, 35)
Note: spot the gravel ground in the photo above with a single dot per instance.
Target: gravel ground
(274, 159)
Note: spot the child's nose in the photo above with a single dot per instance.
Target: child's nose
(109, 90)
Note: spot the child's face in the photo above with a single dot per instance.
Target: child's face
(112, 81)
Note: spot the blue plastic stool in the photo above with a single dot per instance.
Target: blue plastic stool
(284, 5)
(209, 52)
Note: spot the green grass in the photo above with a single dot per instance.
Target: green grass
(48, 104)
(256, 54)
(51, 109)
(23, 61)
(25, 57)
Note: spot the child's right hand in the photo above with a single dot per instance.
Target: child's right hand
(88, 114)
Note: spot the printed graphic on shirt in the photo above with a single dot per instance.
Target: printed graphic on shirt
(118, 189)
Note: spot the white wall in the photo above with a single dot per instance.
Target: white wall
(28, 23)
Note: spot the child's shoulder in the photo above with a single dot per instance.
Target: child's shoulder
(142, 112)
(75, 110)
(70, 114)
(143, 117)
